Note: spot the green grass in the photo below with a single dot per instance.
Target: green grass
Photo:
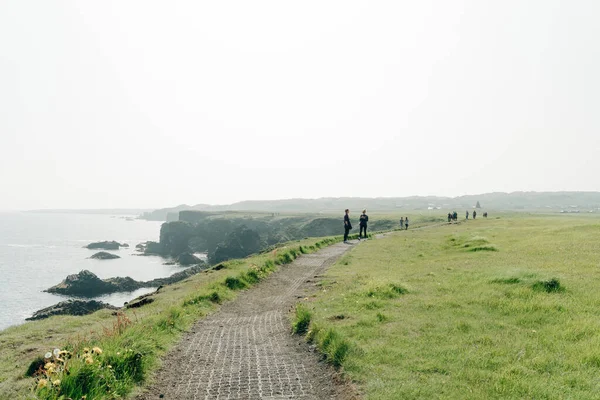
(425, 317)
(132, 342)
(302, 320)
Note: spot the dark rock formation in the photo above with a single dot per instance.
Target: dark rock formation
(87, 284)
(142, 300)
(188, 259)
(84, 284)
(174, 236)
(140, 303)
(239, 243)
(106, 245)
(71, 307)
(103, 255)
(150, 248)
(125, 284)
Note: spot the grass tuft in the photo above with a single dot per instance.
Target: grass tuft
(302, 320)
(389, 291)
(235, 283)
(550, 286)
(334, 347)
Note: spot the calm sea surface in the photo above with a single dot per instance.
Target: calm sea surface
(38, 251)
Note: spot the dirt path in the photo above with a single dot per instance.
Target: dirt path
(246, 351)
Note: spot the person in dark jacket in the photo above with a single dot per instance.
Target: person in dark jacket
(364, 218)
(347, 225)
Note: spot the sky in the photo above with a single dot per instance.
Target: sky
(149, 104)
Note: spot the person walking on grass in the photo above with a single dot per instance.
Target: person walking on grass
(401, 223)
(474, 214)
(347, 225)
(364, 218)
(467, 214)
(406, 223)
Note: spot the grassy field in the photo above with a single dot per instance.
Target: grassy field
(130, 344)
(505, 308)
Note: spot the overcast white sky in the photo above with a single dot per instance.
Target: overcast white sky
(151, 104)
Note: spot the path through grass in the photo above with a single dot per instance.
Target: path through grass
(422, 315)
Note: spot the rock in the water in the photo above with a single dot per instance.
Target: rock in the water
(71, 307)
(126, 284)
(87, 284)
(106, 245)
(103, 255)
(188, 259)
(150, 248)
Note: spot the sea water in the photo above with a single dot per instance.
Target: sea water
(39, 250)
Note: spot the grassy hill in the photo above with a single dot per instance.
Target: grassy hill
(489, 309)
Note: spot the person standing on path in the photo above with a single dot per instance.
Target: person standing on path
(364, 218)
(406, 223)
(347, 225)
(474, 214)
(401, 223)
(467, 214)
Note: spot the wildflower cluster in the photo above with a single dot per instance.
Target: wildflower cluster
(59, 364)
(88, 371)
(50, 374)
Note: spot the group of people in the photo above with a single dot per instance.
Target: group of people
(362, 222)
(364, 219)
(403, 223)
(453, 216)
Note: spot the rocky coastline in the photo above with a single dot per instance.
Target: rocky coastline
(86, 284)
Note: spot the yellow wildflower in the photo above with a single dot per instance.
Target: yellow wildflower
(86, 350)
(42, 383)
(56, 382)
(48, 365)
(110, 367)
(97, 350)
(89, 360)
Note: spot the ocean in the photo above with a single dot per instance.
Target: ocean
(39, 250)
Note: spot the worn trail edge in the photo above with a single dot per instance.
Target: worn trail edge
(246, 351)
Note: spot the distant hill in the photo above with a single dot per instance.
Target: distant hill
(540, 201)
(172, 213)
